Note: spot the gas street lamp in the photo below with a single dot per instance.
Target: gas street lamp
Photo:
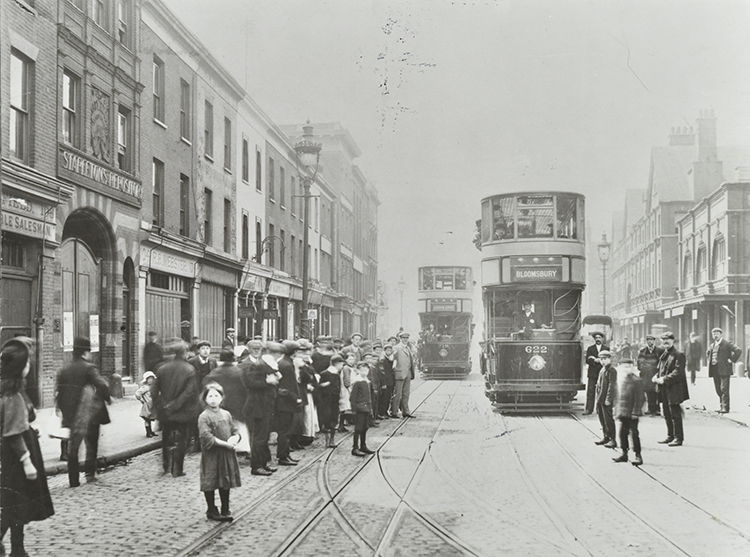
(604, 251)
(401, 288)
(308, 162)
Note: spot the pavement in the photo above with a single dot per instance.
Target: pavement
(703, 398)
(123, 438)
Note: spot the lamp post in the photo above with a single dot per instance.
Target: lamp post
(604, 250)
(308, 161)
(401, 288)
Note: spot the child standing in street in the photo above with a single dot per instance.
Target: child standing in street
(629, 409)
(143, 395)
(361, 403)
(330, 393)
(219, 466)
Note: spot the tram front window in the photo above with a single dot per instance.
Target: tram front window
(513, 315)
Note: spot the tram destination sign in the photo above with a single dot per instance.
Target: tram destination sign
(536, 269)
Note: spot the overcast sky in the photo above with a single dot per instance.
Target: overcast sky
(451, 101)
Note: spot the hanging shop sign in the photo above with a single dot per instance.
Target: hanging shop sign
(167, 262)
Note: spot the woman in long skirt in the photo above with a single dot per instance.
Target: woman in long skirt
(330, 387)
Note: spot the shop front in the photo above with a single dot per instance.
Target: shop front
(216, 302)
(167, 279)
(28, 290)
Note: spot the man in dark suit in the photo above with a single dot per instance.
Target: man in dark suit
(80, 397)
(594, 365)
(152, 352)
(672, 388)
(526, 320)
(404, 362)
(648, 364)
(606, 396)
(721, 356)
(288, 399)
(175, 393)
(229, 339)
(261, 378)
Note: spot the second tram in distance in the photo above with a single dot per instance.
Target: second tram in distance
(533, 275)
(445, 316)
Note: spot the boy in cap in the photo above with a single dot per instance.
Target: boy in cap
(362, 407)
(629, 409)
(606, 394)
(203, 362)
(594, 367)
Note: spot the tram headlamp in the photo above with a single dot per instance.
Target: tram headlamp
(537, 363)
(443, 353)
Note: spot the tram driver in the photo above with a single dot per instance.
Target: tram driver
(527, 320)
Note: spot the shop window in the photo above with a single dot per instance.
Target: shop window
(20, 106)
(14, 252)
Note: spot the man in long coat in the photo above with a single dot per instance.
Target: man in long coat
(672, 388)
(721, 356)
(260, 377)
(175, 394)
(606, 396)
(288, 400)
(80, 397)
(404, 366)
(648, 364)
(594, 365)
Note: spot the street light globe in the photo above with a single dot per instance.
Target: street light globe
(604, 248)
(308, 150)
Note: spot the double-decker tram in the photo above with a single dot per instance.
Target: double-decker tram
(445, 319)
(533, 275)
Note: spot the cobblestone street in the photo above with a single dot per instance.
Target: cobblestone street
(460, 479)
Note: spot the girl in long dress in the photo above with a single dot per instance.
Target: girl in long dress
(219, 437)
(24, 494)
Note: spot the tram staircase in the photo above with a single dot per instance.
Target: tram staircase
(566, 315)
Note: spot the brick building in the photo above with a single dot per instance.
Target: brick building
(645, 276)
(33, 198)
(714, 266)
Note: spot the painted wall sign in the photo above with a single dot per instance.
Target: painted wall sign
(167, 262)
(28, 226)
(80, 166)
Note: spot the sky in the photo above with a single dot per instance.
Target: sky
(451, 101)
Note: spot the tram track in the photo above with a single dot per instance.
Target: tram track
(654, 478)
(332, 493)
(623, 506)
(328, 497)
(404, 506)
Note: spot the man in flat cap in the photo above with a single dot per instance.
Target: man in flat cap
(721, 356)
(404, 367)
(648, 364)
(594, 366)
(81, 395)
(229, 339)
(288, 399)
(672, 389)
(203, 362)
(606, 396)
(354, 346)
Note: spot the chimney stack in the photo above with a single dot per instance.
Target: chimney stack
(708, 170)
(682, 136)
(707, 136)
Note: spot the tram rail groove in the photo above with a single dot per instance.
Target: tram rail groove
(695, 505)
(405, 506)
(204, 539)
(304, 528)
(541, 500)
(614, 497)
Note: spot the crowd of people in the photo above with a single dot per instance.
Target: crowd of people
(654, 377)
(228, 408)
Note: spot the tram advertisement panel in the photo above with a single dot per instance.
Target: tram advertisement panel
(535, 269)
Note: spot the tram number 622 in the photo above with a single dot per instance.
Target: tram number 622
(536, 349)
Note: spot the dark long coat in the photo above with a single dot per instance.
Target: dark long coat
(175, 392)
(288, 393)
(235, 394)
(71, 380)
(672, 369)
(261, 396)
(648, 363)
